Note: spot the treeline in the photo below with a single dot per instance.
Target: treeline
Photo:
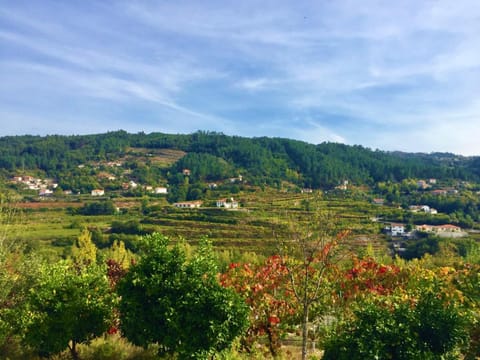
(214, 156)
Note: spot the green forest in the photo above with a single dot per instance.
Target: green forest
(213, 156)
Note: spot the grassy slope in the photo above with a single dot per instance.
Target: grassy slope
(250, 228)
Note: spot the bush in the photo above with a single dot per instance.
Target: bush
(131, 227)
(106, 207)
(431, 329)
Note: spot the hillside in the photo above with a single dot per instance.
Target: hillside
(214, 156)
(122, 186)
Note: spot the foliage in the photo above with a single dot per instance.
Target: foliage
(18, 270)
(84, 251)
(215, 156)
(427, 328)
(404, 311)
(309, 251)
(131, 227)
(178, 304)
(367, 277)
(106, 207)
(270, 302)
(204, 166)
(67, 307)
(118, 253)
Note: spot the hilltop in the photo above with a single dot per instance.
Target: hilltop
(209, 156)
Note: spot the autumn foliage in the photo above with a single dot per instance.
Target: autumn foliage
(264, 289)
(367, 276)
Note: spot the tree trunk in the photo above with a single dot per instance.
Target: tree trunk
(304, 331)
(73, 350)
(271, 340)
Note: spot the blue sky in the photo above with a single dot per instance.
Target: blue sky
(393, 75)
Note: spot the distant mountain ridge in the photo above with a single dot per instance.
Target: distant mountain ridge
(263, 160)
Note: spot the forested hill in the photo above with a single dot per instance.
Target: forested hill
(213, 156)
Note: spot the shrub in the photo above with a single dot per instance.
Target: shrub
(427, 328)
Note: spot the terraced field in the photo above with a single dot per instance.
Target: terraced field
(254, 227)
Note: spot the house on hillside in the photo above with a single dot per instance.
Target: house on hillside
(238, 179)
(227, 203)
(422, 184)
(423, 208)
(45, 192)
(343, 186)
(212, 186)
(188, 204)
(446, 228)
(378, 201)
(107, 176)
(425, 228)
(160, 190)
(98, 192)
(397, 229)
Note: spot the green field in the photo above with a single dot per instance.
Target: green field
(50, 227)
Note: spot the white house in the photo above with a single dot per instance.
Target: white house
(160, 190)
(227, 203)
(98, 192)
(423, 208)
(45, 192)
(397, 229)
(188, 204)
(236, 179)
(212, 186)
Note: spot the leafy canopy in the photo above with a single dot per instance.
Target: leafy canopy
(67, 306)
(179, 303)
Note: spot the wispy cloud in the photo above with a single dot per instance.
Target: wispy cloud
(324, 71)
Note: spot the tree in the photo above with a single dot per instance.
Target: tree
(119, 254)
(264, 291)
(106, 207)
(308, 252)
(84, 251)
(178, 303)
(67, 307)
(427, 325)
(18, 271)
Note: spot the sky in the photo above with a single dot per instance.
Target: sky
(390, 75)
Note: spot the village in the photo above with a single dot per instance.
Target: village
(48, 188)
